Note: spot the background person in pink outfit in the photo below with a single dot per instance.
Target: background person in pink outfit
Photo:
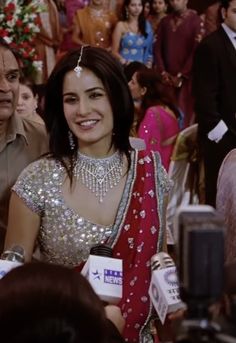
(157, 118)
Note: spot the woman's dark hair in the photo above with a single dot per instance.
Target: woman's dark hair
(141, 18)
(225, 3)
(44, 303)
(29, 83)
(157, 93)
(110, 72)
(132, 67)
(37, 90)
(147, 2)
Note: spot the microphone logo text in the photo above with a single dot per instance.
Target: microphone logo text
(113, 277)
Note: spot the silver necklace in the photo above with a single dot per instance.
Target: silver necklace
(99, 174)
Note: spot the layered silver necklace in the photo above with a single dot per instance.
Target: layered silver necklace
(99, 174)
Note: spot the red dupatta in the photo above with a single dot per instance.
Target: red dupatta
(140, 236)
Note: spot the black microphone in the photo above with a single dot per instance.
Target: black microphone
(200, 265)
(200, 256)
(101, 250)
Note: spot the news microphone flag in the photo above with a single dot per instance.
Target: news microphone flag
(164, 286)
(105, 274)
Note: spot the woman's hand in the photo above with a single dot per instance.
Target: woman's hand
(177, 315)
(113, 313)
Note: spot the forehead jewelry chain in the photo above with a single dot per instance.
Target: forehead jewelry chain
(78, 69)
(99, 175)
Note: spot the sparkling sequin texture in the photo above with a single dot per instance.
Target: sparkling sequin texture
(137, 233)
(64, 236)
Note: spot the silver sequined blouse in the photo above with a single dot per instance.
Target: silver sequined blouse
(64, 236)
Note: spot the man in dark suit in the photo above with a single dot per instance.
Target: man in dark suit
(214, 88)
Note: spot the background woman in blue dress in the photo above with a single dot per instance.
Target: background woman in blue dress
(133, 36)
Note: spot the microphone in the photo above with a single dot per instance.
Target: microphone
(161, 260)
(164, 286)
(11, 258)
(200, 256)
(15, 254)
(101, 250)
(200, 261)
(104, 273)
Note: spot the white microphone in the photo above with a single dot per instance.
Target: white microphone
(161, 260)
(10, 259)
(164, 286)
(104, 273)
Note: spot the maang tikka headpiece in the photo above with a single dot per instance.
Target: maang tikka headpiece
(78, 69)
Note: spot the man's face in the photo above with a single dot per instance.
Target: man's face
(178, 5)
(229, 15)
(99, 3)
(9, 83)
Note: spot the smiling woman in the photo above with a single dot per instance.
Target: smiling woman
(93, 188)
(88, 112)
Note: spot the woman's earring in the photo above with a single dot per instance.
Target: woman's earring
(71, 140)
(127, 13)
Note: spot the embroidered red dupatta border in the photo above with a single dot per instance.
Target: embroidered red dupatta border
(138, 240)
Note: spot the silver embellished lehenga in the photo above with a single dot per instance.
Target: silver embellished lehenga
(136, 235)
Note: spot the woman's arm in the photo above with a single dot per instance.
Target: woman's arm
(76, 32)
(150, 130)
(116, 38)
(23, 227)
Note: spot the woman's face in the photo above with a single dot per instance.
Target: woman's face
(135, 8)
(159, 6)
(146, 9)
(87, 110)
(136, 90)
(27, 102)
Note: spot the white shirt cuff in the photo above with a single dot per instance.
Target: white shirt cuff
(218, 132)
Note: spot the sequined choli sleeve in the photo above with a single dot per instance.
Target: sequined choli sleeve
(30, 185)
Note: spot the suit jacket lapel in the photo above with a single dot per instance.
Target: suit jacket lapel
(228, 46)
